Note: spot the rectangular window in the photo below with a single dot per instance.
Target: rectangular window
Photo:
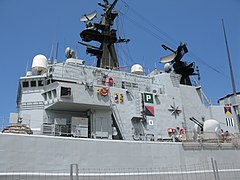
(25, 84)
(45, 96)
(33, 83)
(48, 81)
(40, 83)
(123, 84)
(49, 94)
(135, 85)
(128, 85)
(54, 93)
(65, 91)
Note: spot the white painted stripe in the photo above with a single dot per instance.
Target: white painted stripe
(116, 174)
(230, 122)
(33, 174)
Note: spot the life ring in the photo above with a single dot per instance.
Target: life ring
(104, 91)
(110, 81)
(171, 130)
(182, 134)
(181, 131)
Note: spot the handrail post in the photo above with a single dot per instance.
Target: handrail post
(71, 171)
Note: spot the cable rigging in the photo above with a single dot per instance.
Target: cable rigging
(168, 39)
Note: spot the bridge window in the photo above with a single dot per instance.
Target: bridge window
(40, 83)
(45, 96)
(48, 81)
(33, 83)
(49, 94)
(25, 84)
(65, 91)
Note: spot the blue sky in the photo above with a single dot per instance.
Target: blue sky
(31, 27)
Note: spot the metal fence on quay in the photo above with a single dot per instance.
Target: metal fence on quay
(209, 171)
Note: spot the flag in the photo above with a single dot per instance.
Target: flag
(227, 110)
(149, 110)
(148, 98)
(230, 122)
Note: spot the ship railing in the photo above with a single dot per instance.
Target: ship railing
(208, 137)
(119, 123)
(79, 131)
(31, 105)
(188, 137)
(210, 170)
(62, 130)
(56, 130)
(48, 129)
(117, 117)
(232, 139)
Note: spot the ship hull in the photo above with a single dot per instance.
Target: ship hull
(32, 155)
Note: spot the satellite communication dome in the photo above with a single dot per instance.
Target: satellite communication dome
(39, 64)
(137, 69)
(167, 67)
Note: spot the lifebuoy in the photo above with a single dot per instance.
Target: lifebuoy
(171, 130)
(104, 91)
(181, 131)
(182, 134)
(110, 81)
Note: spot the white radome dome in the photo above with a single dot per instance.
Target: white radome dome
(39, 64)
(137, 69)
(211, 129)
(167, 67)
(211, 125)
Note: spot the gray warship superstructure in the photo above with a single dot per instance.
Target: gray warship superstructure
(102, 117)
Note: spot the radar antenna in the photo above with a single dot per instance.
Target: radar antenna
(177, 55)
(88, 18)
(179, 66)
(104, 34)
